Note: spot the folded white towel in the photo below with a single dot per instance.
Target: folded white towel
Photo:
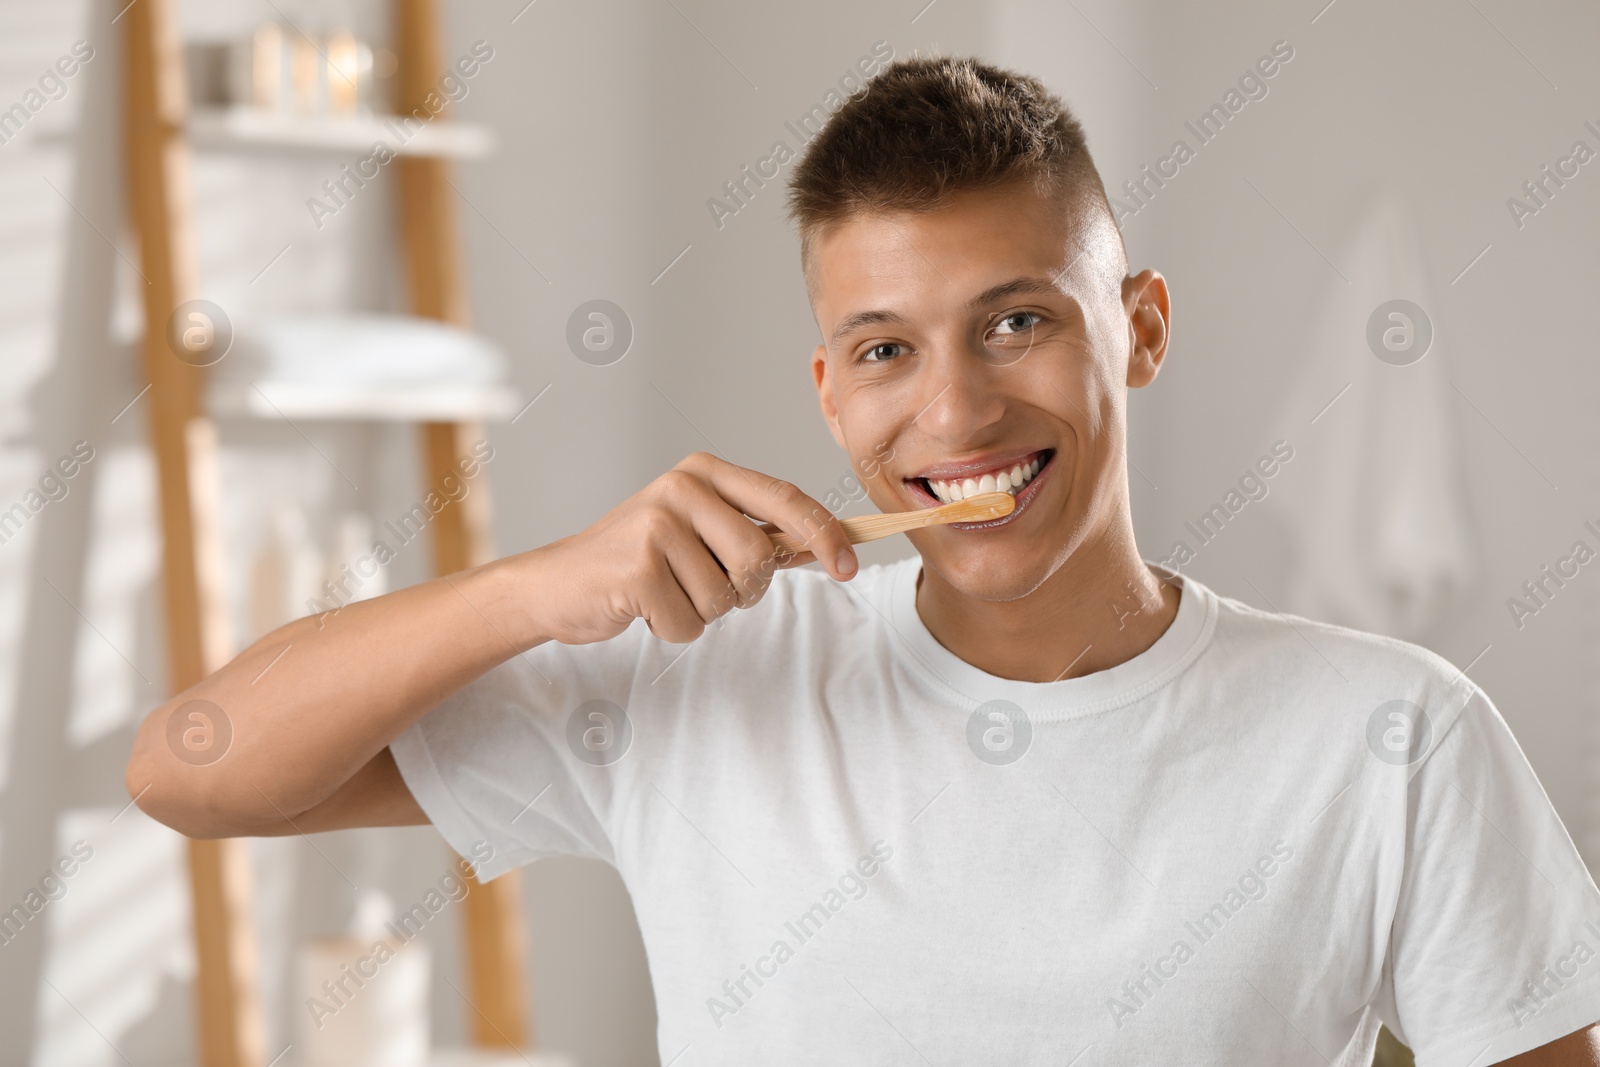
(360, 351)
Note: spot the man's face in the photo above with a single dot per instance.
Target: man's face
(986, 344)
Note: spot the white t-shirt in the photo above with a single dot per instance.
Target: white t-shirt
(1245, 845)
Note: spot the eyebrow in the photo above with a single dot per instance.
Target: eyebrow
(1024, 286)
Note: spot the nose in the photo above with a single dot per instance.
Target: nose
(963, 399)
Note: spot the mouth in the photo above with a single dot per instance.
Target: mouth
(1020, 475)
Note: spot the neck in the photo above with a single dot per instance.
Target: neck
(1101, 607)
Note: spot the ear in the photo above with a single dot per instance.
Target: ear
(1148, 307)
(825, 398)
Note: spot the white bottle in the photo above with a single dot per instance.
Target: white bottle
(287, 573)
(355, 572)
(364, 997)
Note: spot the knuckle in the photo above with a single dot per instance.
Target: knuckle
(726, 599)
(755, 546)
(748, 586)
(656, 524)
(761, 564)
(789, 494)
(755, 589)
(674, 618)
(644, 571)
(676, 482)
(677, 631)
(818, 521)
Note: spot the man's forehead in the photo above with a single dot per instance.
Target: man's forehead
(857, 284)
(981, 241)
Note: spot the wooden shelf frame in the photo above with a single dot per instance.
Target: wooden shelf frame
(184, 441)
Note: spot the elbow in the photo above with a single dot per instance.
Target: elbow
(155, 793)
(172, 792)
(185, 811)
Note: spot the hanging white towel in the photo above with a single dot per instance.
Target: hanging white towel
(1382, 528)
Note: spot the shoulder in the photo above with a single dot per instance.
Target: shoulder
(1299, 651)
(1319, 695)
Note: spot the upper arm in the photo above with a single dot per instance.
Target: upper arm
(376, 795)
(1476, 971)
(1580, 1048)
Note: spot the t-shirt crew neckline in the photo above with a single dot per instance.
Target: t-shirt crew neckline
(1177, 647)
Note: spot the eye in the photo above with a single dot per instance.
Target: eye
(1017, 322)
(881, 353)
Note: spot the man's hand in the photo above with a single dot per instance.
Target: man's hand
(681, 553)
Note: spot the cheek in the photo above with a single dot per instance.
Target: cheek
(1080, 396)
(1085, 371)
(1057, 375)
(871, 419)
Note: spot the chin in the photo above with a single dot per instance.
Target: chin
(984, 574)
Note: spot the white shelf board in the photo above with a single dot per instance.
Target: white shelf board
(471, 1057)
(474, 1057)
(241, 129)
(276, 401)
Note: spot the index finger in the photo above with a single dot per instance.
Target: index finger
(785, 506)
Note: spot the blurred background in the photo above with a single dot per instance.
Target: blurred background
(1383, 255)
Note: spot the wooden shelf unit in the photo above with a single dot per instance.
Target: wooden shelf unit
(157, 131)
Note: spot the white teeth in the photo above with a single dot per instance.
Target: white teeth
(996, 481)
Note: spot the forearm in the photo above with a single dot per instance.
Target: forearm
(313, 705)
(312, 702)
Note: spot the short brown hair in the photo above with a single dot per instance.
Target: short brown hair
(927, 127)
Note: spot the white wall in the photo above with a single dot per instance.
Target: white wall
(1451, 107)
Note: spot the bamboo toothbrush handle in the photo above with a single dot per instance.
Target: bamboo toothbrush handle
(979, 508)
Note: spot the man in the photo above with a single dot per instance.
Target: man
(1026, 798)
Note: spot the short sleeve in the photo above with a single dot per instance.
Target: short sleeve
(492, 765)
(1495, 944)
